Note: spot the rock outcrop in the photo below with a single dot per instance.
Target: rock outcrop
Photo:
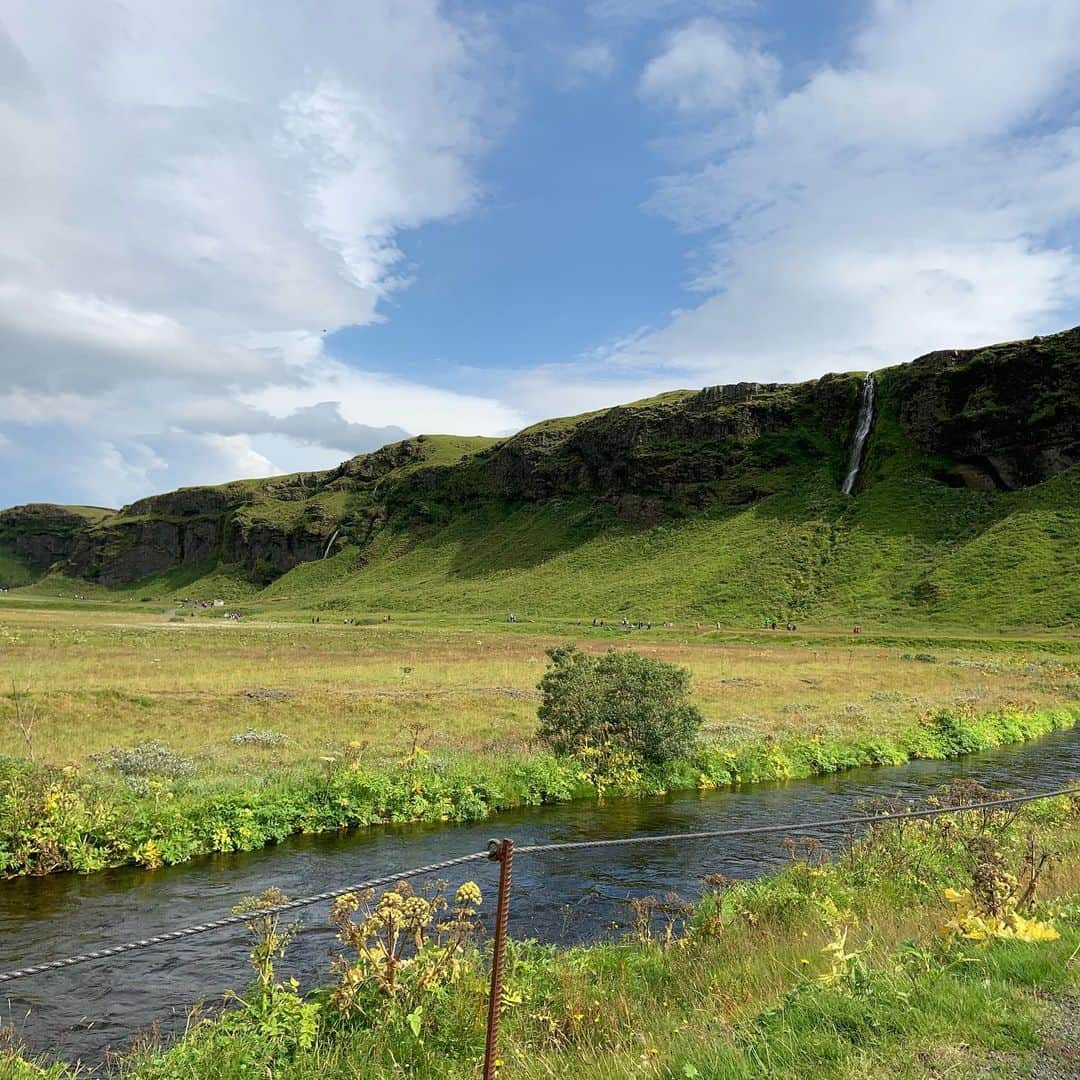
(1003, 417)
(41, 534)
(670, 446)
(1007, 416)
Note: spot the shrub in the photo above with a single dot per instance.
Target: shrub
(619, 700)
(407, 946)
(259, 737)
(149, 758)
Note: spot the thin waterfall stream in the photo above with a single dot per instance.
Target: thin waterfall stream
(326, 553)
(862, 433)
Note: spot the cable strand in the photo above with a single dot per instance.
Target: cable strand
(235, 920)
(758, 830)
(528, 849)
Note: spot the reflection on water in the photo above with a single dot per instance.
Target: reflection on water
(560, 896)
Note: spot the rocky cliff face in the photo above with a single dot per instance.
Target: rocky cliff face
(685, 445)
(41, 534)
(121, 551)
(374, 466)
(1007, 416)
(197, 524)
(114, 553)
(267, 526)
(269, 547)
(1004, 417)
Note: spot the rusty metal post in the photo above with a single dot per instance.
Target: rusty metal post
(502, 851)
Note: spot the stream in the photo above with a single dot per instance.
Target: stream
(562, 897)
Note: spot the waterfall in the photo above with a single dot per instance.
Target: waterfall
(331, 543)
(862, 431)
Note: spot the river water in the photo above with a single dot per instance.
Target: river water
(560, 897)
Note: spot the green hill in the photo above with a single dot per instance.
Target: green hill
(722, 505)
(35, 537)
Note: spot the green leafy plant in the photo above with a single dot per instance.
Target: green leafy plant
(269, 939)
(282, 1021)
(402, 946)
(620, 700)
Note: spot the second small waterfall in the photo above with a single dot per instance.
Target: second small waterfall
(331, 543)
(862, 432)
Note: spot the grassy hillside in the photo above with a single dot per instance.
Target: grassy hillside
(34, 537)
(899, 556)
(14, 571)
(720, 505)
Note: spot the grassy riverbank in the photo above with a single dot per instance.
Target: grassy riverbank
(156, 741)
(915, 954)
(57, 820)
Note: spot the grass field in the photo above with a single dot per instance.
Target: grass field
(134, 735)
(103, 676)
(824, 970)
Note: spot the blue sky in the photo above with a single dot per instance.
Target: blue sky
(244, 241)
(563, 256)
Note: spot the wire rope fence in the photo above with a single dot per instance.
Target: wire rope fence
(502, 852)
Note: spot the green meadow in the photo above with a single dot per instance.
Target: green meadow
(147, 737)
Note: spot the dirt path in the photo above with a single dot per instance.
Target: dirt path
(1059, 1056)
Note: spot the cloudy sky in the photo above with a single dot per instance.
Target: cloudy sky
(243, 238)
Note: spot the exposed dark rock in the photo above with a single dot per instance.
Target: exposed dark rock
(196, 501)
(1011, 412)
(1003, 417)
(125, 551)
(271, 550)
(41, 534)
(734, 393)
(371, 467)
(663, 448)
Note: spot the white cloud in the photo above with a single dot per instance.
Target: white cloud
(922, 195)
(594, 60)
(647, 10)
(704, 68)
(190, 193)
(369, 398)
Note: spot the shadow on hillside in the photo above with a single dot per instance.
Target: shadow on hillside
(514, 537)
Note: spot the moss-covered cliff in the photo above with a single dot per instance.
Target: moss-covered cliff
(1007, 416)
(737, 485)
(36, 536)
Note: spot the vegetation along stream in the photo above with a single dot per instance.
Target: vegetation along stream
(561, 897)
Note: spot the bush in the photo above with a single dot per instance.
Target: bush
(620, 700)
(149, 758)
(259, 737)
